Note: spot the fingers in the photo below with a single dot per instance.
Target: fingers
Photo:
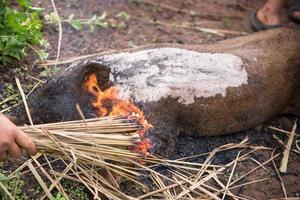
(25, 142)
(4, 145)
(3, 156)
(13, 140)
(14, 150)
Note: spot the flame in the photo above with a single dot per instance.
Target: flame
(143, 146)
(108, 103)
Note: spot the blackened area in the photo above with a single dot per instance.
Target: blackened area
(56, 100)
(163, 136)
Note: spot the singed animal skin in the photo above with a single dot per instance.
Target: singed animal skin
(201, 90)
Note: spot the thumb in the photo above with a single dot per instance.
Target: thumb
(25, 142)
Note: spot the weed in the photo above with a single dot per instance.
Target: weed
(155, 39)
(14, 186)
(19, 29)
(124, 15)
(10, 91)
(77, 24)
(75, 190)
(49, 71)
(96, 21)
(37, 191)
(10, 94)
(58, 197)
(131, 44)
(227, 22)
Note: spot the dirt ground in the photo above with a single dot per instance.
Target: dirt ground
(138, 30)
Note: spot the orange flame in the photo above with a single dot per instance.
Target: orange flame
(107, 103)
(143, 146)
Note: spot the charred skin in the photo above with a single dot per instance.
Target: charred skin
(267, 84)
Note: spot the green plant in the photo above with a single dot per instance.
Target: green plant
(75, 190)
(99, 21)
(10, 95)
(49, 72)
(8, 91)
(14, 185)
(102, 21)
(58, 197)
(123, 15)
(227, 22)
(19, 29)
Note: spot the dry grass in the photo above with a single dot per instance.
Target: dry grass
(100, 143)
(97, 152)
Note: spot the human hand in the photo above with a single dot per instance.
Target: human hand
(13, 140)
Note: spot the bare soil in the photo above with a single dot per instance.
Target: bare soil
(217, 14)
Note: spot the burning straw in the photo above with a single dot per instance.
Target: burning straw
(101, 154)
(112, 144)
(104, 143)
(90, 141)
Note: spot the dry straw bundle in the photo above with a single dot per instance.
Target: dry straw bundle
(97, 153)
(90, 146)
(102, 143)
(110, 136)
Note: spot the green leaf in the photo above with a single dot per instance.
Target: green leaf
(42, 54)
(102, 24)
(38, 9)
(123, 15)
(92, 19)
(24, 3)
(121, 26)
(103, 16)
(49, 71)
(70, 17)
(44, 43)
(92, 28)
(3, 178)
(18, 28)
(58, 197)
(52, 18)
(76, 24)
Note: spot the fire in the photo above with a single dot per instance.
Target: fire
(108, 103)
(143, 146)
